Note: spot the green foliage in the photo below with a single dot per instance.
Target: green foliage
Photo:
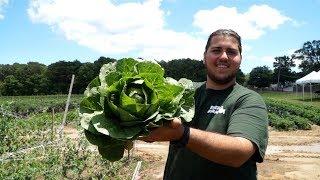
(282, 70)
(309, 54)
(284, 108)
(67, 160)
(185, 68)
(84, 75)
(260, 77)
(23, 79)
(25, 133)
(38, 79)
(241, 78)
(284, 115)
(21, 157)
(280, 123)
(59, 75)
(24, 106)
(130, 98)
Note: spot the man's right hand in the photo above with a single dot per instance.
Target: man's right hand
(171, 131)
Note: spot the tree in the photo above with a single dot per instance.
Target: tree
(241, 78)
(26, 76)
(11, 86)
(185, 68)
(309, 54)
(282, 69)
(59, 75)
(260, 76)
(6, 70)
(85, 75)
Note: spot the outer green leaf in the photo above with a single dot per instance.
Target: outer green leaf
(127, 66)
(108, 127)
(149, 68)
(154, 79)
(94, 83)
(169, 96)
(92, 88)
(140, 122)
(102, 140)
(187, 114)
(85, 119)
(105, 70)
(112, 78)
(112, 153)
(90, 104)
(186, 83)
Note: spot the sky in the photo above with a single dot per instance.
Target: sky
(48, 31)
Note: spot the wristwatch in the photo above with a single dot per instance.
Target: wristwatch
(183, 141)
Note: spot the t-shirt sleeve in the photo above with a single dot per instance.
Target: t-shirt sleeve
(250, 120)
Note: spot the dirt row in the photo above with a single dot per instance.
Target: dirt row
(290, 155)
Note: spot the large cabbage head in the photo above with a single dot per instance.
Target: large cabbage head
(127, 99)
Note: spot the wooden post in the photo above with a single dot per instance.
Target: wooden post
(66, 108)
(52, 124)
(311, 91)
(303, 92)
(136, 171)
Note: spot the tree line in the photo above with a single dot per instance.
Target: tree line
(35, 78)
(282, 74)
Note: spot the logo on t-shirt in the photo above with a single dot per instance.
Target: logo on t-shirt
(216, 110)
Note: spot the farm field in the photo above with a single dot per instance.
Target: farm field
(33, 147)
(294, 97)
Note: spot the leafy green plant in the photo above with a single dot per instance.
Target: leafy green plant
(280, 123)
(127, 99)
(284, 108)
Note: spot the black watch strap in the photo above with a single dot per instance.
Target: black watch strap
(183, 141)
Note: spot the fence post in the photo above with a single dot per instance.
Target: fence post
(52, 124)
(66, 108)
(136, 171)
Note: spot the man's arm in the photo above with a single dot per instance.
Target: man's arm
(222, 149)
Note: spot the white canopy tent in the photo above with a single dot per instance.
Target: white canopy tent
(313, 77)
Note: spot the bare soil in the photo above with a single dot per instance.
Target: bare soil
(290, 155)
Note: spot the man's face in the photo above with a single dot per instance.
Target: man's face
(222, 59)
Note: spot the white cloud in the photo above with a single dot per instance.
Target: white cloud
(250, 61)
(250, 24)
(260, 59)
(3, 3)
(113, 28)
(116, 28)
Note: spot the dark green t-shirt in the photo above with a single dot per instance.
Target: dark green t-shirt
(235, 111)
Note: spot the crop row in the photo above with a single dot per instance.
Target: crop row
(67, 160)
(284, 115)
(289, 122)
(24, 106)
(21, 157)
(281, 107)
(19, 134)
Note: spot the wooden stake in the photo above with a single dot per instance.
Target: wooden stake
(66, 108)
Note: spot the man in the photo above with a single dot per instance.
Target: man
(229, 131)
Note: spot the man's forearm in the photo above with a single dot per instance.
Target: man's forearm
(222, 149)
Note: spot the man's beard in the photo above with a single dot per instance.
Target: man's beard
(222, 80)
